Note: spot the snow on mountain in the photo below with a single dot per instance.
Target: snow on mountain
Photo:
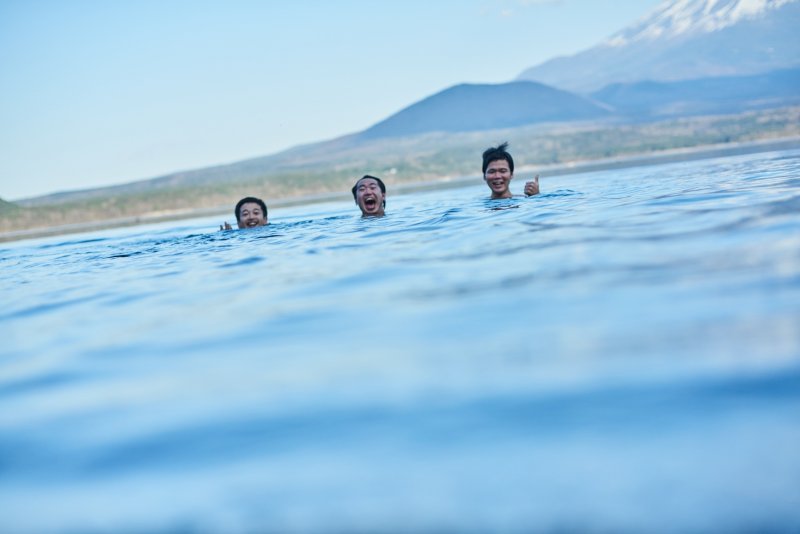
(684, 40)
(682, 17)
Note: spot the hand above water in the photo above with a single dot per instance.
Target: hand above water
(532, 188)
(225, 226)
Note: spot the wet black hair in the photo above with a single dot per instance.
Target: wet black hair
(380, 184)
(497, 153)
(244, 201)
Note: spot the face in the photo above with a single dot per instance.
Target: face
(498, 177)
(369, 197)
(251, 216)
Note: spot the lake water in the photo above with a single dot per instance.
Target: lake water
(620, 353)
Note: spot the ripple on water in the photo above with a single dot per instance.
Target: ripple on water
(625, 341)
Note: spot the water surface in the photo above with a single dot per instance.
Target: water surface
(620, 353)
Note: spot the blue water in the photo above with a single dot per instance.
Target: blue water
(620, 353)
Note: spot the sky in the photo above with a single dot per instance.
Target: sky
(96, 92)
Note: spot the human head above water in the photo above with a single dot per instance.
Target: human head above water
(251, 212)
(498, 171)
(369, 194)
(497, 153)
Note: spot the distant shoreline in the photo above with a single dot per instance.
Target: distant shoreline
(545, 171)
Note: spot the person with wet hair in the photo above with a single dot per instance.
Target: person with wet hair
(498, 171)
(369, 194)
(251, 212)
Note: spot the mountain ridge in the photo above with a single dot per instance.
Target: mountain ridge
(682, 17)
(753, 44)
(470, 107)
(711, 95)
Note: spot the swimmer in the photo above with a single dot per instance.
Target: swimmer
(370, 196)
(498, 170)
(251, 212)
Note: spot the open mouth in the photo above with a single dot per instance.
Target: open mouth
(370, 203)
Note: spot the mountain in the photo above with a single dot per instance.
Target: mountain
(462, 108)
(7, 207)
(685, 39)
(472, 107)
(714, 95)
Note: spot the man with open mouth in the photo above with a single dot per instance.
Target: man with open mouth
(370, 196)
(251, 212)
(498, 171)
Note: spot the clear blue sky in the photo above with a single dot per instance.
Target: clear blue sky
(103, 92)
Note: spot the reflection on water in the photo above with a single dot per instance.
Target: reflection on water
(621, 352)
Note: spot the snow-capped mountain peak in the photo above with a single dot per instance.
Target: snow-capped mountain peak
(684, 40)
(674, 18)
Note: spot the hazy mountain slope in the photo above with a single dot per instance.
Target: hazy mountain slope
(332, 166)
(685, 39)
(7, 207)
(726, 94)
(242, 171)
(471, 107)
